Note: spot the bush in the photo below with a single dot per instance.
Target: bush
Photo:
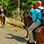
(28, 3)
(42, 3)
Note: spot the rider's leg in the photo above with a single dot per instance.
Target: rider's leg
(30, 29)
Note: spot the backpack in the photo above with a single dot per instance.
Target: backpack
(42, 18)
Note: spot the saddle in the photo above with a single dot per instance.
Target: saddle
(37, 30)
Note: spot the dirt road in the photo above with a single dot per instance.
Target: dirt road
(9, 36)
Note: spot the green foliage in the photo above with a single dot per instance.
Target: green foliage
(27, 4)
(12, 5)
(9, 5)
(34, 3)
(42, 3)
(0, 2)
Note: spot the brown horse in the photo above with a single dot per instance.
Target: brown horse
(38, 32)
(2, 18)
(27, 22)
(39, 35)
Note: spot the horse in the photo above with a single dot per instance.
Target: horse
(27, 21)
(38, 33)
(2, 18)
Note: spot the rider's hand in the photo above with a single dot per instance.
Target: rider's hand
(29, 14)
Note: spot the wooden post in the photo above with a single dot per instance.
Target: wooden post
(18, 3)
(18, 7)
(2, 3)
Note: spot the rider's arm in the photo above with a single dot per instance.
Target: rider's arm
(29, 13)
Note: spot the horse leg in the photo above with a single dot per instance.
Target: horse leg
(28, 42)
(27, 34)
(24, 26)
(3, 20)
(37, 43)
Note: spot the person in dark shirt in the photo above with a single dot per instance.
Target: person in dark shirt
(1, 10)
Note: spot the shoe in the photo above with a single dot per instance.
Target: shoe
(30, 43)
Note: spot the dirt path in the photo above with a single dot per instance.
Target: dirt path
(9, 36)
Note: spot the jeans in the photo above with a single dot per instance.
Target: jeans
(30, 29)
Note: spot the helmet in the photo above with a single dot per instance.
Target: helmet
(0, 7)
(31, 6)
(38, 3)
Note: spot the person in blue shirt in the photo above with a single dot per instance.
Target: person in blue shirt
(32, 12)
(36, 16)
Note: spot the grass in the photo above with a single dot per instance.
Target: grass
(16, 25)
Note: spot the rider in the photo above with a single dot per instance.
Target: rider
(36, 16)
(1, 10)
(31, 12)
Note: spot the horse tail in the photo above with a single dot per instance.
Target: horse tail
(3, 20)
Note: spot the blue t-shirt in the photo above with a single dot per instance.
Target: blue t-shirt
(32, 14)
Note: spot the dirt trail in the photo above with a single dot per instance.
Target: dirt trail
(9, 36)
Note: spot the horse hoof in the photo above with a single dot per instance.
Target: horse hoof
(28, 42)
